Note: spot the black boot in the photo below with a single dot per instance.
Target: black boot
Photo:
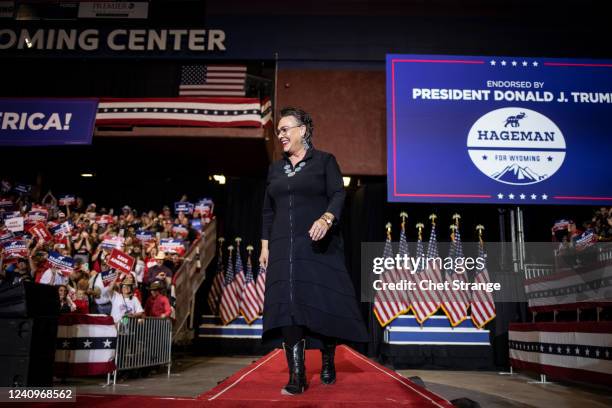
(296, 357)
(328, 369)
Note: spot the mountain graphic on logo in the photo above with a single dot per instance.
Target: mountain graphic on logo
(517, 174)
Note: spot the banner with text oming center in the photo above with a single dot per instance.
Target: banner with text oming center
(499, 130)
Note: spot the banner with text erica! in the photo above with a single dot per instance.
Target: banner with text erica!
(46, 122)
(498, 130)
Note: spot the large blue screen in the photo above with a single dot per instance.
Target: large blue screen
(499, 130)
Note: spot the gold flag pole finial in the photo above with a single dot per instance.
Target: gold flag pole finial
(456, 217)
(249, 249)
(221, 240)
(420, 227)
(453, 228)
(403, 216)
(433, 217)
(230, 249)
(388, 228)
(480, 228)
(238, 240)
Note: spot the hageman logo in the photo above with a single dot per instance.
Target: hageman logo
(516, 146)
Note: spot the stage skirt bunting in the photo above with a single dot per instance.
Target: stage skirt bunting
(570, 286)
(436, 330)
(85, 345)
(197, 112)
(212, 327)
(577, 351)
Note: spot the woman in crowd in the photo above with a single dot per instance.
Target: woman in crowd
(66, 304)
(125, 304)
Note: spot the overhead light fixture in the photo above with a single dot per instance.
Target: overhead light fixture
(87, 175)
(347, 181)
(219, 178)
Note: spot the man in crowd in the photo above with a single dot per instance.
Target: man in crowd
(157, 304)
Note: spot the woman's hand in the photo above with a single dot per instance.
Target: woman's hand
(263, 257)
(318, 230)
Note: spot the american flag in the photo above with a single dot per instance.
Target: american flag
(404, 273)
(213, 80)
(239, 270)
(455, 302)
(250, 304)
(387, 303)
(261, 288)
(426, 302)
(214, 295)
(230, 304)
(482, 304)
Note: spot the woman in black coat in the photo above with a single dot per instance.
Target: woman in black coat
(309, 298)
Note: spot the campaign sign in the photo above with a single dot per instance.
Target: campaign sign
(5, 235)
(180, 229)
(144, 235)
(15, 248)
(14, 224)
(205, 207)
(196, 224)
(45, 122)
(104, 219)
(113, 243)
(184, 207)
(172, 245)
(19, 187)
(35, 216)
(40, 231)
(67, 200)
(498, 130)
(11, 214)
(64, 263)
(120, 260)
(61, 230)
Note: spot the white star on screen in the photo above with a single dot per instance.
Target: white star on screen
(514, 63)
(544, 197)
(87, 344)
(503, 63)
(65, 344)
(535, 63)
(533, 196)
(500, 196)
(493, 62)
(511, 196)
(522, 196)
(107, 343)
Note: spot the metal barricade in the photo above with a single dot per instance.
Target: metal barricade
(142, 342)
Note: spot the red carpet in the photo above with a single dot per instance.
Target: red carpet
(360, 383)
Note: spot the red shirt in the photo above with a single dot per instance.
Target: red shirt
(158, 306)
(82, 306)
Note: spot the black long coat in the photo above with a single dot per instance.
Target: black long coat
(307, 282)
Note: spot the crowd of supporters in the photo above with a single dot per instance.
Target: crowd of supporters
(62, 242)
(577, 243)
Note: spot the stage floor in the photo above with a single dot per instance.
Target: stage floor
(197, 376)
